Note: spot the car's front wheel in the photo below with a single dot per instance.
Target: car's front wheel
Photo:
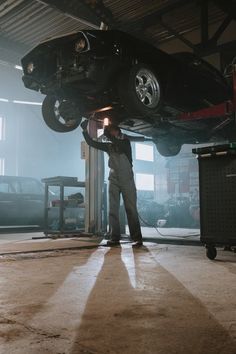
(60, 115)
(140, 90)
(168, 148)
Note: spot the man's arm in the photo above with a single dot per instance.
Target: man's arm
(90, 141)
(137, 138)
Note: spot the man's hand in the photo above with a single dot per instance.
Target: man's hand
(84, 124)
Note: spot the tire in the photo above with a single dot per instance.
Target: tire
(60, 115)
(211, 252)
(168, 148)
(140, 90)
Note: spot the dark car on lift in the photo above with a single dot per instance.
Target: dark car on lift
(112, 74)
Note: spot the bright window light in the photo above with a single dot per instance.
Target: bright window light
(4, 100)
(144, 182)
(28, 102)
(144, 152)
(2, 166)
(106, 122)
(18, 67)
(99, 132)
(2, 128)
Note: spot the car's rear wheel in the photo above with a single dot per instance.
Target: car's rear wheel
(168, 148)
(140, 90)
(60, 115)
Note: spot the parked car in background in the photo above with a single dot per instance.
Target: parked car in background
(143, 89)
(21, 201)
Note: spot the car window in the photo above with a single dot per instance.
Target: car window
(6, 187)
(15, 186)
(30, 187)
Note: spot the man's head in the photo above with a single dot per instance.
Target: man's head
(112, 131)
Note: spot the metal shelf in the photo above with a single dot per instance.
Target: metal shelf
(62, 206)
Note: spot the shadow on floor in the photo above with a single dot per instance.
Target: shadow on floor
(157, 315)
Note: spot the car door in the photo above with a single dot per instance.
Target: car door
(9, 207)
(31, 201)
(205, 84)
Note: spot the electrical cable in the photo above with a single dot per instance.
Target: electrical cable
(164, 235)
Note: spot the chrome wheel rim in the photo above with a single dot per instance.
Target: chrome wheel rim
(59, 117)
(147, 88)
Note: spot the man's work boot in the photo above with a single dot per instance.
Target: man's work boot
(137, 244)
(112, 243)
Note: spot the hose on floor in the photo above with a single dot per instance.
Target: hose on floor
(164, 235)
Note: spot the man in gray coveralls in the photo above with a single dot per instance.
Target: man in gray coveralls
(121, 181)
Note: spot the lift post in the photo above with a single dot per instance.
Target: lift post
(234, 86)
(94, 182)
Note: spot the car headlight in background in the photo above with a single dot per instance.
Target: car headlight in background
(30, 68)
(80, 45)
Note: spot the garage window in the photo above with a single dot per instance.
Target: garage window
(2, 166)
(144, 152)
(144, 182)
(2, 128)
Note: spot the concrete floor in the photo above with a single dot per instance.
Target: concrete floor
(158, 299)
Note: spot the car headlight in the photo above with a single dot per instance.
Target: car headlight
(80, 45)
(30, 68)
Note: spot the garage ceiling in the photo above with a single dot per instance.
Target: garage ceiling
(24, 23)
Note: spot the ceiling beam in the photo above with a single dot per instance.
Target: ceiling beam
(178, 36)
(228, 7)
(154, 17)
(100, 10)
(221, 28)
(218, 48)
(204, 21)
(89, 12)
